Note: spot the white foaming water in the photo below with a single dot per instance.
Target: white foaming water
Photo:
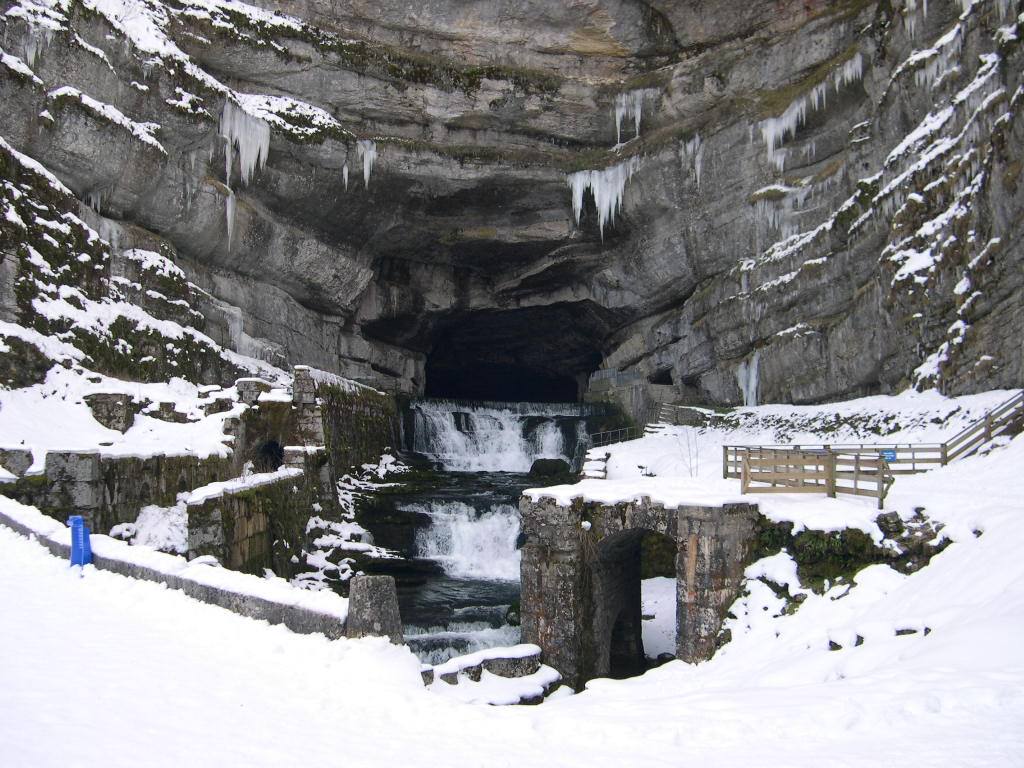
(494, 437)
(435, 645)
(469, 545)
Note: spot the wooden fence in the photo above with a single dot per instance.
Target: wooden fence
(862, 469)
(814, 471)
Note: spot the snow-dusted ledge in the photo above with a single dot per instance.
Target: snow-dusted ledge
(496, 676)
(272, 600)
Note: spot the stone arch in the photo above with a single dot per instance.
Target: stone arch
(581, 578)
(269, 456)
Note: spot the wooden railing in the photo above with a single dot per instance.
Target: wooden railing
(1000, 420)
(902, 458)
(814, 471)
(862, 469)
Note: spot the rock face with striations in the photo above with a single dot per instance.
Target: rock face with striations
(729, 202)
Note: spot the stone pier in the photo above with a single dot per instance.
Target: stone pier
(581, 580)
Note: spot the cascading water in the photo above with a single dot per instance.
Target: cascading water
(496, 437)
(471, 544)
(469, 526)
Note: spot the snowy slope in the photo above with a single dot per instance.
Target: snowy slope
(156, 679)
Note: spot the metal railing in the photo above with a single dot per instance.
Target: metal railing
(599, 439)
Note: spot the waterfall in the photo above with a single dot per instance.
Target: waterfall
(496, 437)
(470, 544)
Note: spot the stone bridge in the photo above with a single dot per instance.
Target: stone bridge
(581, 579)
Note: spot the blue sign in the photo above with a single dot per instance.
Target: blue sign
(81, 549)
(889, 454)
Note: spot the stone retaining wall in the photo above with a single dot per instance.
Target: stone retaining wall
(108, 491)
(297, 618)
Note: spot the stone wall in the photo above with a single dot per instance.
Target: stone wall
(359, 425)
(109, 490)
(581, 579)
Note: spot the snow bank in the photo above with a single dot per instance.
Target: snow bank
(239, 591)
(237, 484)
(775, 696)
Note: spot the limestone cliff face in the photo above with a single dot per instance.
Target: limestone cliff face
(823, 200)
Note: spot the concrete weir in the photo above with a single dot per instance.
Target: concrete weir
(581, 579)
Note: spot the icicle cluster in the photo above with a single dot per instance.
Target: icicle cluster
(747, 378)
(344, 175)
(607, 187)
(631, 105)
(367, 150)
(910, 19)
(692, 152)
(775, 130)
(250, 135)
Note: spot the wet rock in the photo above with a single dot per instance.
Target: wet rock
(545, 468)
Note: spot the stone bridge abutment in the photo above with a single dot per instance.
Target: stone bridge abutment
(581, 579)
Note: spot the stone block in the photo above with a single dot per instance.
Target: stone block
(73, 466)
(303, 386)
(250, 389)
(16, 460)
(513, 667)
(373, 609)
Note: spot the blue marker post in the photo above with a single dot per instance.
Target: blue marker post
(81, 550)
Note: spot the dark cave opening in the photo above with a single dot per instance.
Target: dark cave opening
(534, 354)
(269, 457)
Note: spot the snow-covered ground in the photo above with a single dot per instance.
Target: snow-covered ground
(683, 465)
(658, 601)
(102, 670)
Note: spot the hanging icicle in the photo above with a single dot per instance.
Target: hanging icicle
(607, 186)
(367, 149)
(251, 135)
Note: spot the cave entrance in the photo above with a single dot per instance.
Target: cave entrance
(535, 354)
(269, 457)
(635, 602)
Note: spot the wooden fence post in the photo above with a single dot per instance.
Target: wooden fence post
(830, 473)
(745, 475)
(725, 461)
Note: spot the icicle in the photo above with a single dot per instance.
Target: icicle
(693, 150)
(94, 200)
(344, 175)
(367, 149)
(229, 213)
(747, 378)
(631, 105)
(776, 130)
(607, 186)
(250, 134)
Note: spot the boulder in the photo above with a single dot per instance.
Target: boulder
(550, 468)
(114, 410)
